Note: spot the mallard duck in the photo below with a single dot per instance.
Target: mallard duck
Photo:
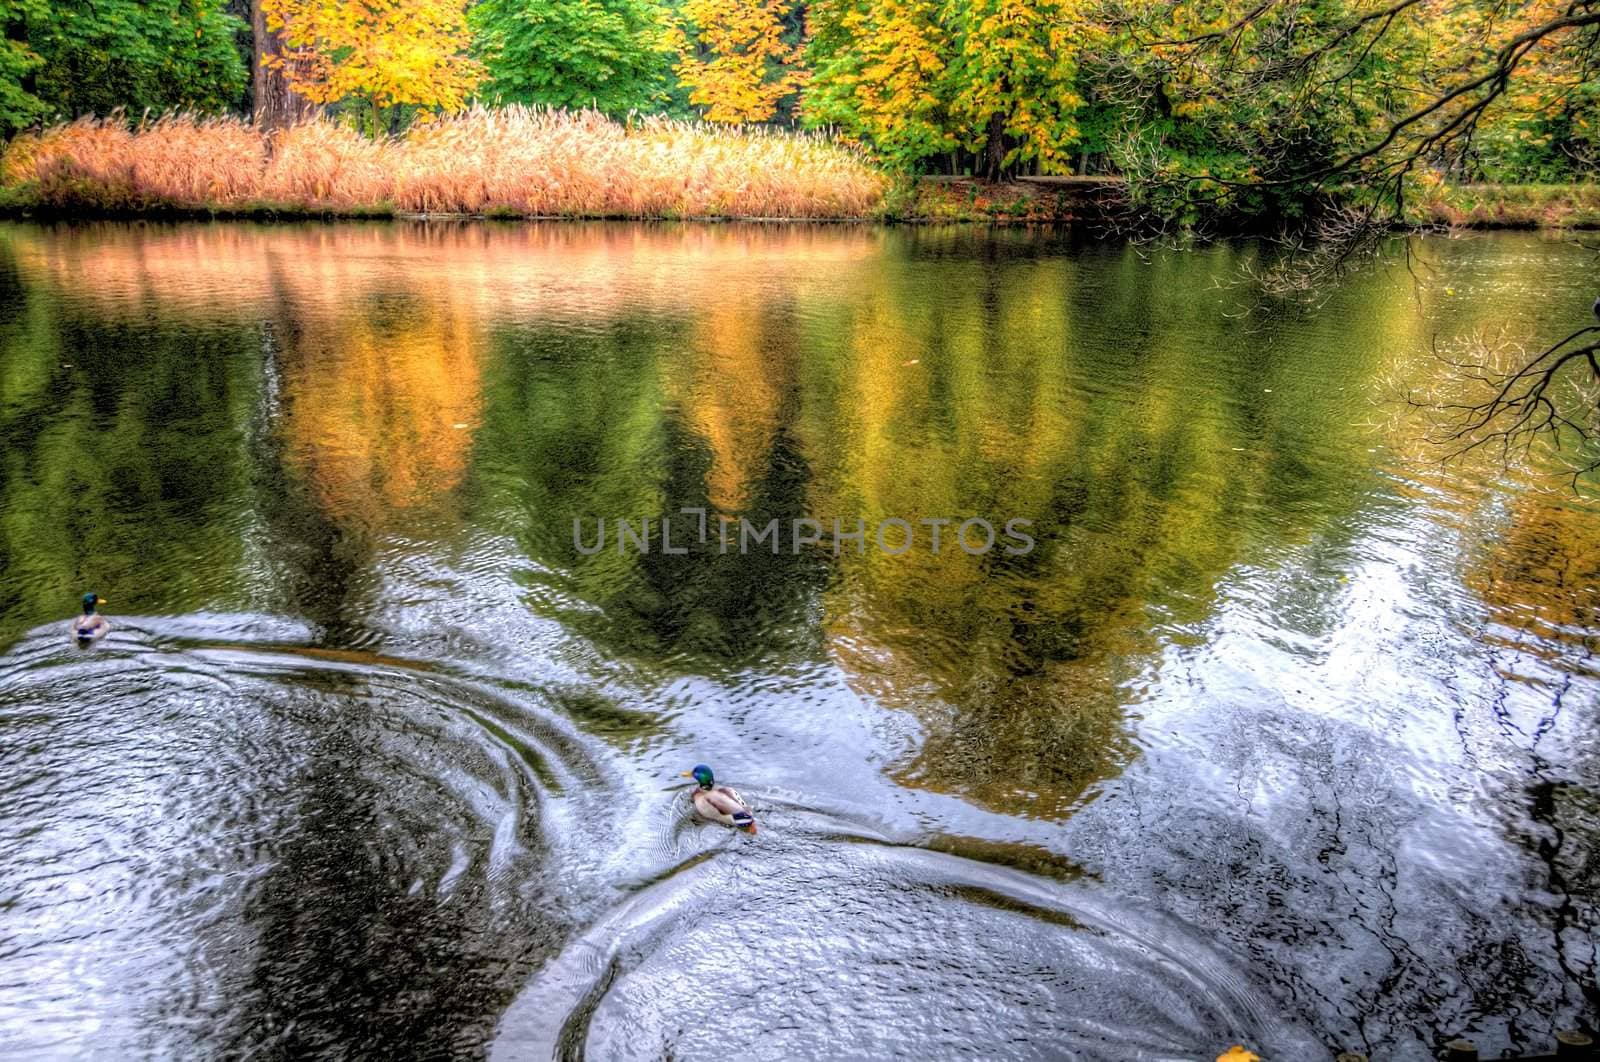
(90, 625)
(719, 803)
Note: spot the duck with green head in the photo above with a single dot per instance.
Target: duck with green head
(91, 625)
(719, 803)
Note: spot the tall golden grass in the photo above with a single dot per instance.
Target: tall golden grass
(512, 160)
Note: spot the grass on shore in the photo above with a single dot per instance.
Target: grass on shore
(522, 162)
(513, 161)
(1522, 206)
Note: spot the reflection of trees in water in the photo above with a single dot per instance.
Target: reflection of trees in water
(1533, 564)
(380, 401)
(571, 273)
(880, 401)
(1146, 462)
(123, 463)
(365, 428)
(145, 445)
(1156, 445)
(1537, 580)
(1537, 576)
(383, 926)
(1567, 844)
(316, 562)
(1153, 441)
(594, 425)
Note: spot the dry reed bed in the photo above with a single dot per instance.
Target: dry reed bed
(514, 160)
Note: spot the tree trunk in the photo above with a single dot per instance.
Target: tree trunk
(272, 103)
(994, 148)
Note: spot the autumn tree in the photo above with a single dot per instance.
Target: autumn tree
(1012, 78)
(613, 56)
(738, 62)
(878, 76)
(1548, 128)
(375, 57)
(917, 78)
(273, 101)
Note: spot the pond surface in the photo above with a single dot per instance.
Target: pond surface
(1283, 733)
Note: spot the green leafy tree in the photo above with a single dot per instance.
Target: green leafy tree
(73, 57)
(612, 56)
(1337, 112)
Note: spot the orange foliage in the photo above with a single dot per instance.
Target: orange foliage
(381, 420)
(731, 389)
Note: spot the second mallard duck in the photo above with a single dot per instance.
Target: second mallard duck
(719, 803)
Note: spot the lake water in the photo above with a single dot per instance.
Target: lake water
(1283, 733)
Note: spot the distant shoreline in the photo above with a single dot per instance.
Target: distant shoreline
(1513, 206)
(929, 200)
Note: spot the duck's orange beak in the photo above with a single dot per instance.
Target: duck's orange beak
(685, 774)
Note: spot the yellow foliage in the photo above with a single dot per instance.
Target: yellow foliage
(735, 61)
(1018, 61)
(386, 52)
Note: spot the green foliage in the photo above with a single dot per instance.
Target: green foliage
(574, 53)
(1203, 135)
(141, 457)
(1278, 112)
(18, 106)
(73, 57)
(1556, 143)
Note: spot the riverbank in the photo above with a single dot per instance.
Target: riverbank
(522, 163)
(1482, 207)
(1512, 206)
(1044, 199)
(1047, 199)
(1027, 199)
(1030, 200)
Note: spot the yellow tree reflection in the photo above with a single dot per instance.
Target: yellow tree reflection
(381, 402)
